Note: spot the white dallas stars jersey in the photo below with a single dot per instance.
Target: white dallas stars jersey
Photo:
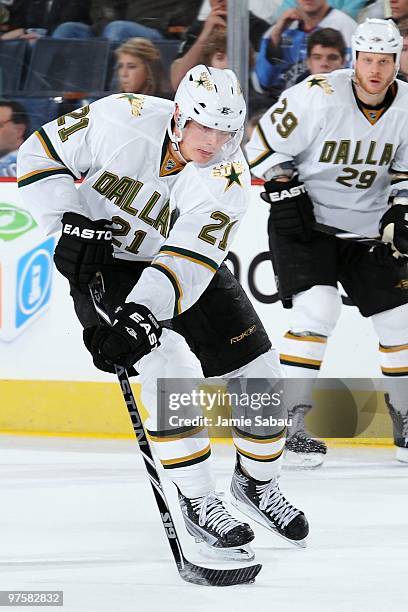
(343, 151)
(182, 218)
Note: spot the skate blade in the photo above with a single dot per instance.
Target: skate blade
(242, 553)
(302, 460)
(255, 516)
(401, 455)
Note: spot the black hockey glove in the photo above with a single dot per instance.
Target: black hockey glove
(84, 248)
(291, 212)
(383, 255)
(135, 332)
(394, 229)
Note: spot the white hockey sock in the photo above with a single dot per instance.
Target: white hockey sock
(303, 352)
(261, 458)
(394, 360)
(262, 470)
(301, 358)
(194, 480)
(186, 459)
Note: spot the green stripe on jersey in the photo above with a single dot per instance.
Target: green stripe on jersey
(30, 178)
(192, 255)
(268, 151)
(172, 279)
(50, 146)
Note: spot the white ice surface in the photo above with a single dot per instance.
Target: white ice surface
(78, 515)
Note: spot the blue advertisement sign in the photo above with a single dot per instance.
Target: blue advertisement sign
(34, 274)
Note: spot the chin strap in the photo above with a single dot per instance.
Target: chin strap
(175, 140)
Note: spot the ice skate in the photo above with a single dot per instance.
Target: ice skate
(218, 534)
(400, 431)
(301, 450)
(265, 504)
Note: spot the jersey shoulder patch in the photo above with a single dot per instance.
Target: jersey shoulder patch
(135, 111)
(319, 81)
(321, 90)
(224, 181)
(231, 173)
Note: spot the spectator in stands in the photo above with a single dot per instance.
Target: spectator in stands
(399, 10)
(199, 32)
(326, 51)
(119, 20)
(28, 15)
(158, 20)
(215, 54)
(116, 20)
(373, 9)
(14, 127)
(403, 28)
(139, 68)
(265, 9)
(215, 49)
(351, 7)
(282, 55)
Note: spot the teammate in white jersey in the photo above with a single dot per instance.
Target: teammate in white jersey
(334, 148)
(172, 183)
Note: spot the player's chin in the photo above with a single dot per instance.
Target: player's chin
(374, 86)
(202, 157)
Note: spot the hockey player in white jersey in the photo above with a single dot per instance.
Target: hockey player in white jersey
(334, 148)
(170, 182)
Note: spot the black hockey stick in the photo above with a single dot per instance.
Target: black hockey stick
(345, 235)
(188, 571)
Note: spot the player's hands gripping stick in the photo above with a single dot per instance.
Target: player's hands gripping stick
(84, 248)
(291, 212)
(135, 332)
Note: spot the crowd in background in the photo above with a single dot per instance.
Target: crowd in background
(289, 40)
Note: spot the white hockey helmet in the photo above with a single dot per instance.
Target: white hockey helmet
(377, 36)
(212, 97)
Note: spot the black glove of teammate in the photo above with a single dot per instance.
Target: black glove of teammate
(291, 211)
(394, 228)
(135, 332)
(383, 255)
(84, 248)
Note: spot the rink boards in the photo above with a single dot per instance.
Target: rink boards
(47, 380)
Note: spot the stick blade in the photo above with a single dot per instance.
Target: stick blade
(205, 576)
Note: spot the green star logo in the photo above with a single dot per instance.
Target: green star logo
(135, 101)
(322, 82)
(233, 177)
(316, 81)
(130, 97)
(204, 80)
(200, 82)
